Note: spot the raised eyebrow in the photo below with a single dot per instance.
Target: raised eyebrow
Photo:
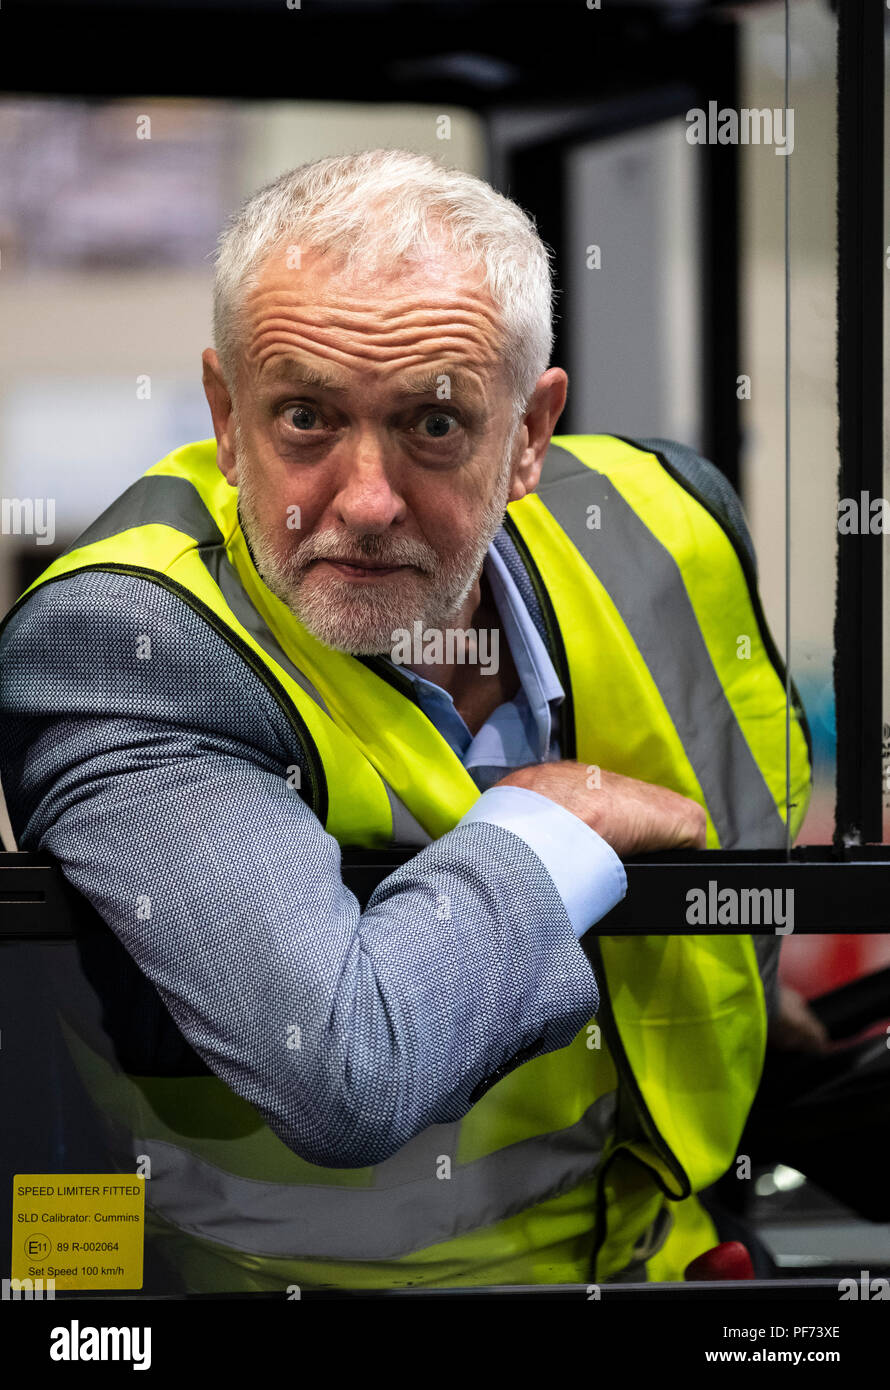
(426, 385)
(294, 373)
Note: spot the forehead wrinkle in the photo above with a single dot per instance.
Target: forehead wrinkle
(389, 330)
(398, 310)
(415, 333)
(270, 344)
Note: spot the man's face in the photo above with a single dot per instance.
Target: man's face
(378, 463)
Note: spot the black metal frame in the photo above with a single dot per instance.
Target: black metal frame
(858, 671)
(833, 892)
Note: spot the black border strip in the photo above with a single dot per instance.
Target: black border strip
(858, 638)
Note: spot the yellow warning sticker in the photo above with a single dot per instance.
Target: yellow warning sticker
(82, 1230)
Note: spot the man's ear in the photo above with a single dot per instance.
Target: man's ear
(222, 413)
(545, 406)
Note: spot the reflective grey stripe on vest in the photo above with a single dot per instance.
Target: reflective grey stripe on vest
(644, 582)
(406, 828)
(158, 499)
(396, 1217)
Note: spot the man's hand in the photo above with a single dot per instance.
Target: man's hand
(633, 817)
(795, 1027)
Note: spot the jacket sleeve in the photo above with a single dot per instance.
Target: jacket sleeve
(164, 779)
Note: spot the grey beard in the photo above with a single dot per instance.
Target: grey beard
(362, 619)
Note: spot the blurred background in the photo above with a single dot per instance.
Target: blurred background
(110, 205)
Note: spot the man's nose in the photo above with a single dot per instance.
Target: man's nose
(367, 499)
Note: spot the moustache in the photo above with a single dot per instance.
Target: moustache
(370, 549)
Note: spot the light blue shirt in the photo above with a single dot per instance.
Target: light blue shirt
(588, 874)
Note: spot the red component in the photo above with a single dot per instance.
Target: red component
(727, 1261)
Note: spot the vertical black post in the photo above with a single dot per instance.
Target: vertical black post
(537, 175)
(720, 340)
(858, 661)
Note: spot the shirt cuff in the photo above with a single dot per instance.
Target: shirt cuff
(588, 874)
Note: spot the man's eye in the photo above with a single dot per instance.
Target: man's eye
(297, 416)
(440, 423)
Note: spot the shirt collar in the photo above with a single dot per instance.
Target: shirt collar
(538, 679)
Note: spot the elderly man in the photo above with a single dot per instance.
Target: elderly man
(384, 608)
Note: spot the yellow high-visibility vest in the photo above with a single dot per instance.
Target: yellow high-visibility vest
(579, 1165)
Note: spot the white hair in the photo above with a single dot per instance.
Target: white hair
(381, 207)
